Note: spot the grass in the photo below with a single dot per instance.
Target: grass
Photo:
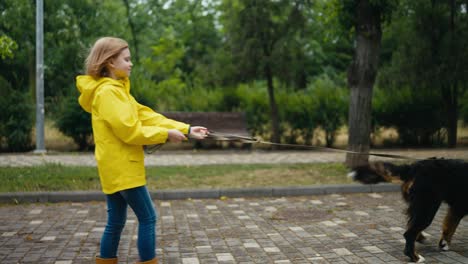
(53, 177)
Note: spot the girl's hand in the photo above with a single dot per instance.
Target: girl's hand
(198, 132)
(175, 136)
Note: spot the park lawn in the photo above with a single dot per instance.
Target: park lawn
(53, 177)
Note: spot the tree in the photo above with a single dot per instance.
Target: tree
(17, 22)
(17, 71)
(70, 28)
(193, 22)
(257, 33)
(365, 17)
(431, 56)
(131, 25)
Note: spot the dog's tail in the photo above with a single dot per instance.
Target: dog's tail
(376, 172)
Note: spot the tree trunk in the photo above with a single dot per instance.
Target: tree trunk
(273, 107)
(452, 97)
(31, 74)
(452, 122)
(132, 30)
(361, 78)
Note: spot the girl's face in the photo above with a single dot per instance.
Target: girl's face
(121, 66)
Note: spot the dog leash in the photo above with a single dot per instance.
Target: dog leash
(211, 135)
(252, 140)
(149, 149)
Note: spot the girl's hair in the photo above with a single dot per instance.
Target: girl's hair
(103, 50)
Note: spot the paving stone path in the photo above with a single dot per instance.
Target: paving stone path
(331, 228)
(166, 158)
(338, 228)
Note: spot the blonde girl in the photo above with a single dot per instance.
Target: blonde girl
(121, 126)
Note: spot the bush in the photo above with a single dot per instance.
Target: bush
(74, 122)
(16, 121)
(463, 102)
(297, 111)
(330, 106)
(323, 104)
(415, 114)
(254, 102)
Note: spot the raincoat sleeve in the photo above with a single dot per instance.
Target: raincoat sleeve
(150, 118)
(121, 114)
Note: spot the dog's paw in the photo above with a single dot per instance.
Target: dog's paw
(443, 245)
(352, 174)
(421, 259)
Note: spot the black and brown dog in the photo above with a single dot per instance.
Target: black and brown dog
(425, 185)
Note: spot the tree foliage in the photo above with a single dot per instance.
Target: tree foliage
(429, 56)
(282, 62)
(267, 41)
(7, 47)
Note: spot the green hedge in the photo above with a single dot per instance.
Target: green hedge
(16, 120)
(417, 115)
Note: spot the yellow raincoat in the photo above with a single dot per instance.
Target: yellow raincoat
(121, 126)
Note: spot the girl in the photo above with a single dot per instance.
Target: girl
(121, 126)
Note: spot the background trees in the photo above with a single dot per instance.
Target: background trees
(263, 37)
(428, 43)
(284, 63)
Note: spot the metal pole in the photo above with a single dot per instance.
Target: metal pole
(40, 148)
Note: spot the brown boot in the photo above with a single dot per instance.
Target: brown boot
(153, 261)
(106, 260)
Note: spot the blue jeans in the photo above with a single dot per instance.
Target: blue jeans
(140, 201)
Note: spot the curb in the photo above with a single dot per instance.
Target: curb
(89, 196)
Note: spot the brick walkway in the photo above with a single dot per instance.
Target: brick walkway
(332, 228)
(338, 228)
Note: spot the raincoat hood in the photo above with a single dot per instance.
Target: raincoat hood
(88, 85)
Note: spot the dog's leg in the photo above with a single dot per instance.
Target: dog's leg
(421, 212)
(410, 251)
(449, 226)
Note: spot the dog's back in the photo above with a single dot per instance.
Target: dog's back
(446, 178)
